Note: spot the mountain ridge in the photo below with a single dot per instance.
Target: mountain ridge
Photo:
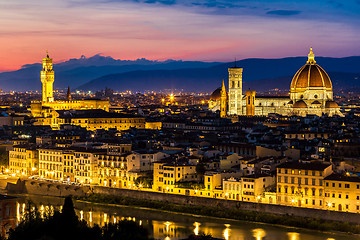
(97, 72)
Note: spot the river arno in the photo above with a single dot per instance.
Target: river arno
(169, 226)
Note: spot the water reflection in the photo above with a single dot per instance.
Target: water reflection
(226, 232)
(259, 233)
(293, 236)
(170, 226)
(197, 228)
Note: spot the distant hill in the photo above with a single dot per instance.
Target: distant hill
(98, 72)
(75, 72)
(259, 74)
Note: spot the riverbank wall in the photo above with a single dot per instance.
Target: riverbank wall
(60, 190)
(45, 188)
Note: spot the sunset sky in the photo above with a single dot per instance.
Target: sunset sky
(206, 30)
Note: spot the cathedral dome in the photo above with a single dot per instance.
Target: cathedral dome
(216, 95)
(331, 104)
(311, 75)
(300, 104)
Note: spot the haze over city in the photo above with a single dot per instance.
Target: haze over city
(167, 29)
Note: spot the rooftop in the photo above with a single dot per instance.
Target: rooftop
(317, 166)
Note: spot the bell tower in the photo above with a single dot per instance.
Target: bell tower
(47, 79)
(235, 90)
(223, 101)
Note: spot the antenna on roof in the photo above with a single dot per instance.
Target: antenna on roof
(235, 61)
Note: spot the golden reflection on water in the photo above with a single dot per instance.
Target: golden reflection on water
(293, 236)
(259, 233)
(226, 232)
(197, 228)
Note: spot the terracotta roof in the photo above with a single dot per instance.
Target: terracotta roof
(216, 95)
(318, 166)
(316, 102)
(311, 75)
(343, 177)
(300, 104)
(331, 104)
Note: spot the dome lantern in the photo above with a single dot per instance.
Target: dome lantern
(311, 57)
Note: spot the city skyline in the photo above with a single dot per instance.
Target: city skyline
(187, 30)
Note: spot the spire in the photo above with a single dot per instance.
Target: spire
(223, 86)
(68, 95)
(311, 57)
(47, 53)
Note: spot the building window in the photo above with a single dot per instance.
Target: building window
(347, 185)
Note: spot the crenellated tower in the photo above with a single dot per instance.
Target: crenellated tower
(235, 90)
(47, 79)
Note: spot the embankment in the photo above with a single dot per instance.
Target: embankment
(51, 189)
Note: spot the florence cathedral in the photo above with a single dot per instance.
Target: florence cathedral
(310, 93)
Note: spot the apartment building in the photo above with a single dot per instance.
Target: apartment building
(51, 164)
(24, 160)
(301, 184)
(167, 175)
(342, 192)
(112, 170)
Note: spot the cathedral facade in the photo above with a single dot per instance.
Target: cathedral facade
(311, 92)
(44, 108)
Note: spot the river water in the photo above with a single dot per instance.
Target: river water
(170, 226)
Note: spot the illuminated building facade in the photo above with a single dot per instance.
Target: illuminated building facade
(342, 192)
(86, 167)
(24, 160)
(112, 170)
(302, 184)
(311, 92)
(235, 91)
(92, 120)
(166, 176)
(51, 164)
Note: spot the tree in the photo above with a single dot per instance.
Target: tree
(66, 225)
